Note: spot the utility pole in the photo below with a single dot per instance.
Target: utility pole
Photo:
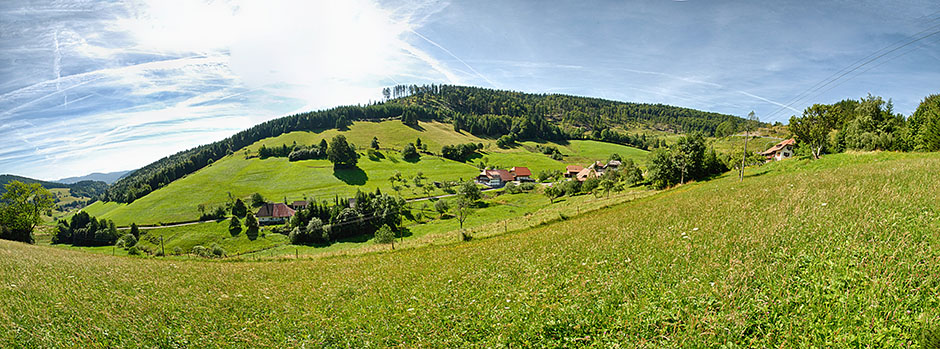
(747, 134)
(162, 250)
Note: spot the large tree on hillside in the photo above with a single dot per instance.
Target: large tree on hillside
(341, 153)
(812, 129)
(21, 210)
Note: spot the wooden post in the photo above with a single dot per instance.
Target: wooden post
(162, 250)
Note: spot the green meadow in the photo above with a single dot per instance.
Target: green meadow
(839, 252)
(278, 179)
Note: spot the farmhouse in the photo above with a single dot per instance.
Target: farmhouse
(494, 178)
(298, 205)
(587, 173)
(274, 213)
(780, 151)
(522, 174)
(572, 171)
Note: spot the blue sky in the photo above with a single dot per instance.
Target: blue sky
(102, 86)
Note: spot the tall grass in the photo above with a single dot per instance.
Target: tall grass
(839, 252)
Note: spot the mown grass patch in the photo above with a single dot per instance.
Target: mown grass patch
(206, 235)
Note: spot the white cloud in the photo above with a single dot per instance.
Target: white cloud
(139, 81)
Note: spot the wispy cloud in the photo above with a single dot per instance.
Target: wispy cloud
(133, 82)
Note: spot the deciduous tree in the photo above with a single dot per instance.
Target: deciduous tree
(21, 210)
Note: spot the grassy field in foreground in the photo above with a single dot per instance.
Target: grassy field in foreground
(837, 252)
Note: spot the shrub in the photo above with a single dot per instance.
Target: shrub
(505, 141)
(385, 235)
(257, 200)
(410, 152)
(235, 226)
(466, 236)
(527, 186)
(441, 206)
(134, 251)
(200, 251)
(127, 241)
(217, 250)
(159, 253)
(177, 250)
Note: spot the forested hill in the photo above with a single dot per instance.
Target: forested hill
(89, 189)
(480, 111)
(576, 114)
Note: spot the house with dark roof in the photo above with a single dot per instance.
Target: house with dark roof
(780, 150)
(270, 213)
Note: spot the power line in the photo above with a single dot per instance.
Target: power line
(857, 65)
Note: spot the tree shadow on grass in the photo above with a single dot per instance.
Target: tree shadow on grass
(413, 159)
(355, 238)
(252, 234)
(351, 176)
(416, 127)
(403, 232)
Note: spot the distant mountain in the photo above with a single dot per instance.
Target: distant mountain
(84, 188)
(109, 177)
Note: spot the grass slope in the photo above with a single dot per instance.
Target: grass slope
(188, 236)
(277, 178)
(798, 254)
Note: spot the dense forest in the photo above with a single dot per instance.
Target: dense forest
(483, 112)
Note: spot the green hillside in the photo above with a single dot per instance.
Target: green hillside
(837, 252)
(277, 178)
(477, 111)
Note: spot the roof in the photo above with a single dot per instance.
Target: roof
(779, 146)
(574, 168)
(521, 171)
(586, 173)
(503, 175)
(614, 163)
(599, 164)
(299, 203)
(277, 210)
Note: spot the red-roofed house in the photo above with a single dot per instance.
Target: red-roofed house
(274, 213)
(522, 174)
(780, 151)
(298, 205)
(494, 178)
